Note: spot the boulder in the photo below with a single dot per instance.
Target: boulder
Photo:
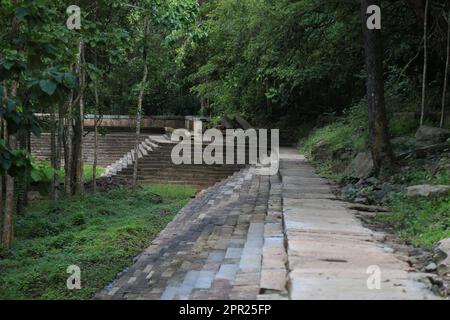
(320, 151)
(428, 191)
(432, 135)
(361, 167)
(34, 196)
(442, 253)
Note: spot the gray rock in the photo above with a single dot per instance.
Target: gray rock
(320, 151)
(428, 191)
(361, 167)
(432, 135)
(388, 250)
(442, 251)
(431, 267)
(361, 200)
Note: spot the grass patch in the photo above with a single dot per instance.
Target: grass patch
(421, 221)
(100, 234)
(44, 172)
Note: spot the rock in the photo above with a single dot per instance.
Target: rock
(342, 154)
(432, 135)
(431, 267)
(388, 250)
(428, 191)
(415, 252)
(349, 191)
(361, 200)
(385, 191)
(361, 167)
(320, 151)
(34, 196)
(442, 253)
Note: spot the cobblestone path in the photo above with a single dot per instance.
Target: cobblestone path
(214, 248)
(258, 237)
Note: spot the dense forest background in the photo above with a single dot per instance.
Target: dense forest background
(277, 62)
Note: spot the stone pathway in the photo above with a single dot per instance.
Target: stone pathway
(215, 248)
(331, 255)
(258, 237)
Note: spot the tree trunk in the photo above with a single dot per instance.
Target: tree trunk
(94, 167)
(59, 138)
(139, 110)
(444, 91)
(425, 63)
(77, 149)
(8, 211)
(8, 214)
(67, 142)
(53, 192)
(379, 137)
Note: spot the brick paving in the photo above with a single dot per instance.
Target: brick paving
(216, 247)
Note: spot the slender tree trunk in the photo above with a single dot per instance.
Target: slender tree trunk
(444, 91)
(77, 149)
(94, 167)
(53, 153)
(379, 137)
(8, 213)
(59, 138)
(139, 110)
(67, 141)
(425, 63)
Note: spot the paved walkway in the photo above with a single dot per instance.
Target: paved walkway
(331, 255)
(256, 237)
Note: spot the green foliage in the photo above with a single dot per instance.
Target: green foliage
(101, 234)
(403, 126)
(43, 172)
(423, 222)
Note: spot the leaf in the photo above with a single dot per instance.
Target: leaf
(35, 175)
(48, 86)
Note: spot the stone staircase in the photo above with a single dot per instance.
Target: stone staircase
(111, 147)
(226, 244)
(155, 166)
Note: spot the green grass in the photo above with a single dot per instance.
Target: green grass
(100, 234)
(421, 221)
(45, 171)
